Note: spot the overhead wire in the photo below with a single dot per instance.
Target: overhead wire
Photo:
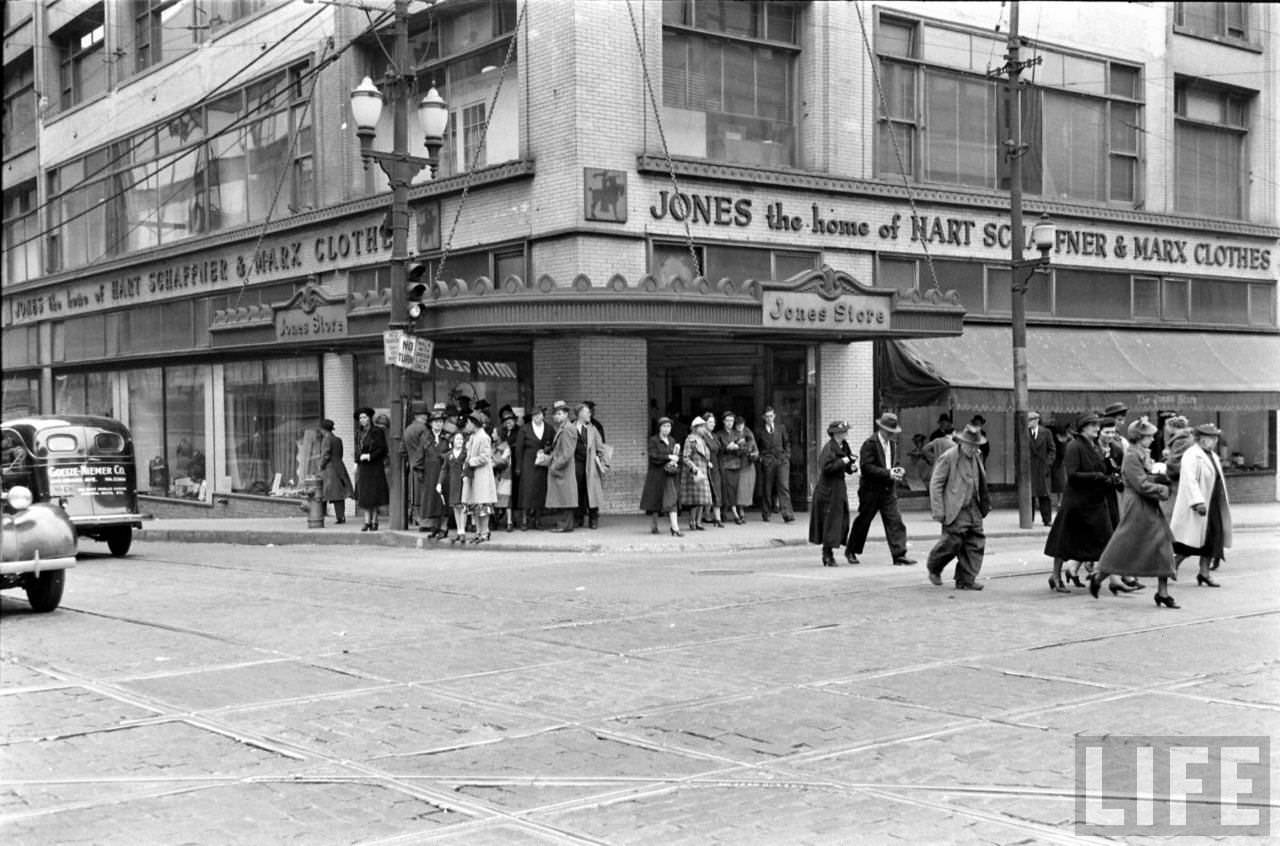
(163, 163)
(108, 166)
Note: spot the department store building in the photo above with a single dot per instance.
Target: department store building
(815, 216)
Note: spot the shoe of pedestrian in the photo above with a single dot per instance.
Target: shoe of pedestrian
(1166, 601)
(1058, 586)
(593, 522)
(764, 517)
(935, 579)
(829, 560)
(1205, 581)
(1131, 583)
(903, 562)
(676, 533)
(1095, 584)
(850, 558)
(341, 520)
(1116, 589)
(788, 519)
(738, 520)
(968, 586)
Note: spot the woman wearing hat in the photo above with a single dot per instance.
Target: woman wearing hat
(479, 488)
(733, 446)
(1201, 521)
(1142, 543)
(661, 493)
(371, 474)
(1083, 525)
(695, 484)
(532, 440)
(829, 515)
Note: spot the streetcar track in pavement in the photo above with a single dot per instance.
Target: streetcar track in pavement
(486, 815)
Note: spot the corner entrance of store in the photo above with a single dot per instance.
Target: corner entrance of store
(692, 377)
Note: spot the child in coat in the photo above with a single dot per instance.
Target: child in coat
(449, 485)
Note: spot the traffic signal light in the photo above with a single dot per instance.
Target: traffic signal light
(415, 288)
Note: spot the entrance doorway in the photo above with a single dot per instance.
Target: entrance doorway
(693, 377)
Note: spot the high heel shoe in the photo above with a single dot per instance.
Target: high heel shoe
(1116, 589)
(676, 533)
(697, 527)
(1074, 577)
(719, 524)
(1206, 581)
(1095, 584)
(366, 527)
(1058, 586)
(374, 527)
(1166, 601)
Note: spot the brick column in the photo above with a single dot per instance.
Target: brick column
(612, 372)
(846, 391)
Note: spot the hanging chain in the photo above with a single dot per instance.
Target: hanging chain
(662, 136)
(484, 135)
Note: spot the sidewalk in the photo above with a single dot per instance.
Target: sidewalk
(617, 533)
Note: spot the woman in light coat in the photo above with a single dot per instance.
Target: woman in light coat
(695, 484)
(1142, 544)
(479, 488)
(1201, 520)
(747, 476)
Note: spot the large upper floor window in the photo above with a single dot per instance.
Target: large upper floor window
(241, 158)
(728, 80)
(460, 48)
(943, 119)
(82, 58)
(1210, 129)
(21, 234)
(19, 105)
(1229, 21)
(165, 29)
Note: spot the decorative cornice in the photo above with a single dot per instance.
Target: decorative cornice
(854, 187)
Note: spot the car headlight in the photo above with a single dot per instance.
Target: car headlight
(19, 497)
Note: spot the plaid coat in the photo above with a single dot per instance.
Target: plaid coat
(695, 484)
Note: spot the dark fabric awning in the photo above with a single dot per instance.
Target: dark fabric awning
(1079, 369)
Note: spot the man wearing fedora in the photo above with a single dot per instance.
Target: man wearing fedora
(1043, 449)
(412, 451)
(959, 500)
(877, 492)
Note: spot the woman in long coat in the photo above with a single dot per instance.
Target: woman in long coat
(829, 513)
(747, 476)
(1142, 544)
(695, 484)
(731, 446)
(371, 473)
(335, 482)
(536, 436)
(714, 478)
(661, 493)
(479, 487)
(1201, 521)
(1082, 526)
(435, 446)
(562, 481)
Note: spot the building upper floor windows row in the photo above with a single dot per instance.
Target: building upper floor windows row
(1225, 21)
(21, 234)
(1210, 131)
(109, 42)
(1090, 294)
(943, 120)
(237, 159)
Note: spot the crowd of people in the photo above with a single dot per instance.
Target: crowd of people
(1129, 506)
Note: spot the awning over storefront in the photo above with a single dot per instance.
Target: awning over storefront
(1073, 370)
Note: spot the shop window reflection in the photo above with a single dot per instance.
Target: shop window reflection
(272, 411)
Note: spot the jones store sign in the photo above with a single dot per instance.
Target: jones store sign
(810, 310)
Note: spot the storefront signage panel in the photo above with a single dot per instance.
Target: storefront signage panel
(343, 244)
(865, 224)
(810, 310)
(326, 321)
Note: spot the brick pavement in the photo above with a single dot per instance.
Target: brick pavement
(306, 697)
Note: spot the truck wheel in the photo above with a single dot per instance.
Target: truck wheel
(119, 541)
(45, 591)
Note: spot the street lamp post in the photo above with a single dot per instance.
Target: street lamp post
(400, 168)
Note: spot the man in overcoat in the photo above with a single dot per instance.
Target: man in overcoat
(959, 500)
(335, 481)
(533, 438)
(411, 452)
(562, 483)
(1040, 442)
(829, 515)
(589, 463)
(774, 442)
(877, 492)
